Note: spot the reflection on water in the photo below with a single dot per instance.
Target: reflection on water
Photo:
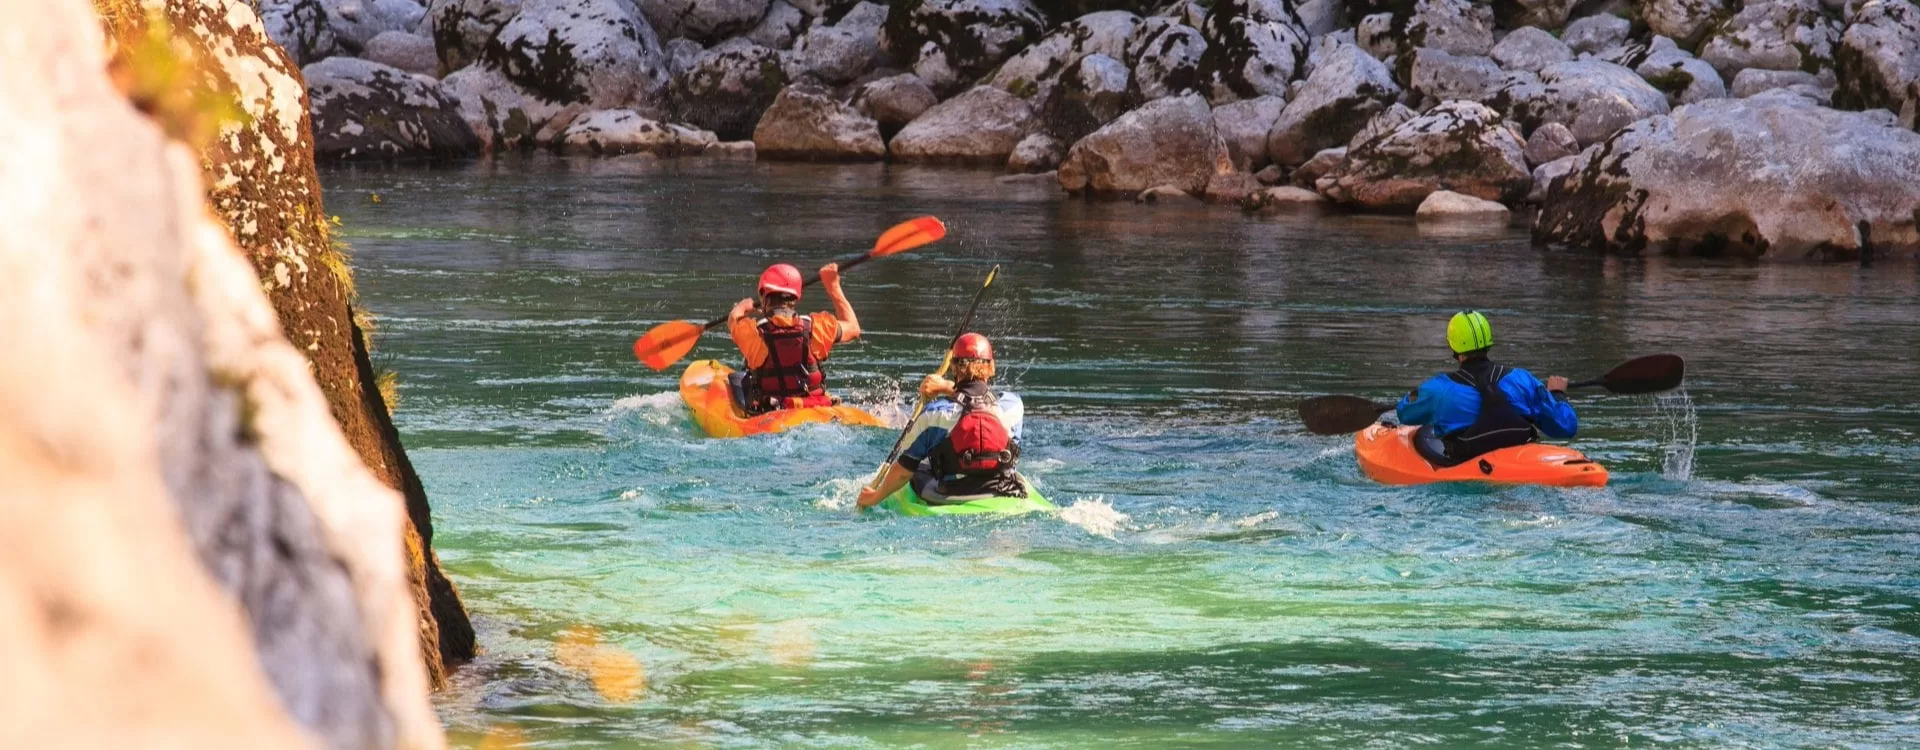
(1219, 577)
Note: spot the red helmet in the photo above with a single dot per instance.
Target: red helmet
(972, 346)
(781, 278)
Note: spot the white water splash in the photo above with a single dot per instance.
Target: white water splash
(1096, 516)
(1680, 433)
(659, 409)
(840, 493)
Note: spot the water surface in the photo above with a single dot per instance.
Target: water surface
(1223, 578)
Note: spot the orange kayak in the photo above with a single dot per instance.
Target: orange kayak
(704, 387)
(1387, 455)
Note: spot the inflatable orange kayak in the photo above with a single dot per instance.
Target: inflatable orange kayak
(704, 387)
(1387, 455)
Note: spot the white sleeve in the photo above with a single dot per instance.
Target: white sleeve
(1013, 414)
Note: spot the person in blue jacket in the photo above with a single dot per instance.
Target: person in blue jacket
(1482, 406)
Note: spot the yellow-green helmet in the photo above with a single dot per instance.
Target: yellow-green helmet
(1469, 331)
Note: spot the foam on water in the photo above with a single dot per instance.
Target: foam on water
(1096, 516)
(1680, 432)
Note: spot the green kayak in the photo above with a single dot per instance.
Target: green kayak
(908, 503)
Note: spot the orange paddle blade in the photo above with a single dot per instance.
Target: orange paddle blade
(908, 235)
(667, 343)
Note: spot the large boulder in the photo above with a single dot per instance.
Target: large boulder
(1033, 71)
(894, 101)
(1459, 146)
(462, 28)
(979, 127)
(1772, 176)
(1379, 126)
(704, 21)
(1244, 125)
(365, 111)
(1530, 49)
(1449, 206)
(312, 30)
(1686, 79)
(1092, 92)
(1254, 48)
(1169, 141)
(1546, 173)
(591, 52)
(1166, 58)
(501, 115)
(623, 131)
(409, 52)
(1322, 164)
(1596, 34)
(728, 88)
(1337, 100)
(1775, 35)
(1591, 97)
(809, 124)
(1459, 27)
(1757, 81)
(1437, 76)
(1686, 22)
(1036, 154)
(1551, 142)
(950, 43)
(1544, 14)
(1878, 61)
(837, 54)
(782, 24)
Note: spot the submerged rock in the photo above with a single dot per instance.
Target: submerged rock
(1771, 176)
(1285, 199)
(1170, 141)
(979, 127)
(1458, 146)
(365, 111)
(624, 131)
(808, 124)
(1449, 206)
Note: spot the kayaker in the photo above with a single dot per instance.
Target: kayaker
(784, 350)
(1483, 406)
(967, 440)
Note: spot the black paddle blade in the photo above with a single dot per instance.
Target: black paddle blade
(1650, 374)
(1340, 415)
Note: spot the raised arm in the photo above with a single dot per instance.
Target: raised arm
(842, 309)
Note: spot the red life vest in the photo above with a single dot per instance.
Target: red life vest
(791, 376)
(980, 440)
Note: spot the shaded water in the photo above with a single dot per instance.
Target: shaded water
(1748, 579)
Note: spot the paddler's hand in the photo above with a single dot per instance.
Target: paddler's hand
(869, 497)
(742, 309)
(934, 386)
(830, 275)
(1556, 384)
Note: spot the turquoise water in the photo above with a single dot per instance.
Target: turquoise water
(1219, 578)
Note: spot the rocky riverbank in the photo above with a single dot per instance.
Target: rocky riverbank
(1634, 126)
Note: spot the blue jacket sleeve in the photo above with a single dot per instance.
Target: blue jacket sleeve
(1552, 414)
(1419, 407)
(922, 447)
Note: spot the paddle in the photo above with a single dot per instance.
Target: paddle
(668, 342)
(1340, 415)
(946, 362)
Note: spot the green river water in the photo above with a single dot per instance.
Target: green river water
(1218, 578)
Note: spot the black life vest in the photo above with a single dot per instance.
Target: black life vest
(791, 371)
(1498, 425)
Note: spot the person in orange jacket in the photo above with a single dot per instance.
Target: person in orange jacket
(784, 350)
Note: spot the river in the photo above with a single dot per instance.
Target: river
(1220, 577)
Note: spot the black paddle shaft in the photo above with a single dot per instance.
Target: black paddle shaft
(965, 323)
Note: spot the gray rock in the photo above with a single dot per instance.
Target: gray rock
(1321, 17)
(678, 56)
(1337, 100)
(1595, 34)
(894, 101)
(1775, 35)
(704, 21)
(624, 131)
(1438, 76)
(462, 28)
(1230, 188)
(778, 29)
(978, 127)
(1270, 175)
(950, 43)
(1167, 141)
(1244, 125)
(1381, 124)
(809, 124)
(1254, 47)
(1531, 50)
(1878, 61)
(837, 55)
(1449, 206)
(1770, 176)
(1285, 199)
(1166, 59)
(1458, 27)
(501, 114)
(365, 111)
(591, 52)
(1545, 14)
(1684, 21)
(408, 52)
(1377, 35)
(1756, 81)
(1546, 173)
(1035, 154)
(1321, 165)
(1591, 97)
(1685, 78)
(311, 30)
(1091, 92)
(1186, 12)
(1459, 146)
(1032, 71)
(1551, 142)
(728, 88)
